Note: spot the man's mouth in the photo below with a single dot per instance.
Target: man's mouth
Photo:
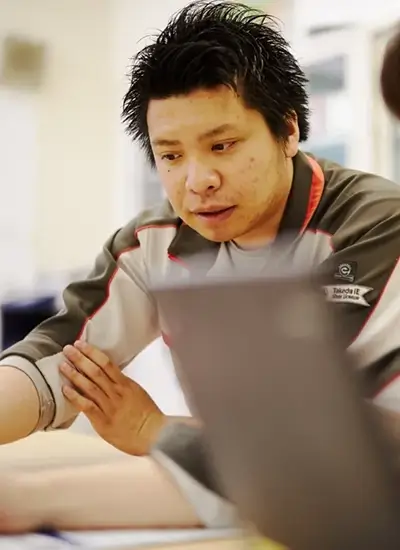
(215, 214)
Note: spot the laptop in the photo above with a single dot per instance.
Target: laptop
(296, 446)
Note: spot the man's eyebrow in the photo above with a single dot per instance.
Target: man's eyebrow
(217, 131)
(213, 132)
(162, 142)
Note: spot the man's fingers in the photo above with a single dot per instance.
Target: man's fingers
(86, 387)
(90, 369)
(92, 353)
(100, 358)
(82, 404)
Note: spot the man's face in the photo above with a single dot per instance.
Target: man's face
(224, 173)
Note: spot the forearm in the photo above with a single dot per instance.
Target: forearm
(19, 405)
(128, 494)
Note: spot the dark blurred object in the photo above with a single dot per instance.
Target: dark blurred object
(22, 63)
(19, 318)
(390, 75)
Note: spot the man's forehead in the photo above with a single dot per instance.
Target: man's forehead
(200, 114)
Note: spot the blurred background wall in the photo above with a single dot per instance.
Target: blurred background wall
(69, 176)
(72, 122)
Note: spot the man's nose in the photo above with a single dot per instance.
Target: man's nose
(201, 178)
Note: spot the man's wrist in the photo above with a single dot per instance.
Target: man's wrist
(152, 428)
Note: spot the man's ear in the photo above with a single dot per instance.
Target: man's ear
(293, 136)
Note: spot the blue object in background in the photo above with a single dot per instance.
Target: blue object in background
(20, 317)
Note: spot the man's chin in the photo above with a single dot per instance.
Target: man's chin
(215, 235)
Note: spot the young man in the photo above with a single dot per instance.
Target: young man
(219, 105)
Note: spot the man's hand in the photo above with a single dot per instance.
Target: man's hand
(119, 410)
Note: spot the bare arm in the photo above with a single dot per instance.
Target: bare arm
(19, 405)
(125, 494)
(175, 487)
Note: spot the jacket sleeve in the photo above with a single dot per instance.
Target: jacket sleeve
(182, 453)
(111, 309)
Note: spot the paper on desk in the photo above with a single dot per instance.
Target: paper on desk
(141, 538)
(96, 540)
(33, 542)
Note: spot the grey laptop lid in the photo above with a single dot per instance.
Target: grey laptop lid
(294, 443)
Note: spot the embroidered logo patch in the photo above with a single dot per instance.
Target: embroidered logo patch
(347, 294)
(346, 271)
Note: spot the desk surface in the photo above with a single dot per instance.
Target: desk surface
(209, 545)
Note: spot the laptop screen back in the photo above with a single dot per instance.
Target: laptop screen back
(296, 447)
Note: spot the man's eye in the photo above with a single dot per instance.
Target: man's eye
(223, 146)
(170, 157)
